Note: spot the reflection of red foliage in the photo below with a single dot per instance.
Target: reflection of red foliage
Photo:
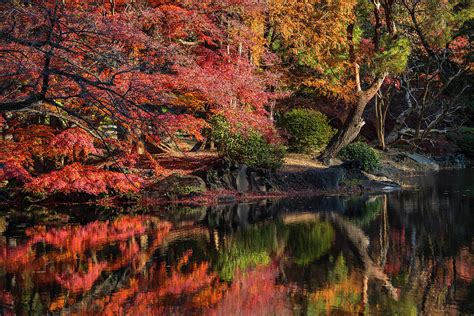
(178, 283)
(15, 258)
(255, 293)
(465, 265)
(73, 242)
(6, 298)
(77, 239)
(198, 291)
(156, 292)
(398, 253)
(173, 285)
(149, 288)
(81, 281)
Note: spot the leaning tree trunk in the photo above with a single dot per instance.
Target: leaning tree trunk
(347, 133)
(353, 123)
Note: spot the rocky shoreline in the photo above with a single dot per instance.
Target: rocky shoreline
(229, 182)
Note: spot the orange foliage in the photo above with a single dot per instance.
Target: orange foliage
(334, 295)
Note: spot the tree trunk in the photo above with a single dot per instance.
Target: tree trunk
(381, 110)
(347, 133)
(353, 123)
(379, 124)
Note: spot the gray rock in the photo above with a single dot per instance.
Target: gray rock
(334, 162)
(241, 181)
(451, 161)
(325, 179)
(228, 181)
(177, 185)
(380, 186)
(422, 160)
(257, 183)
(213, 180)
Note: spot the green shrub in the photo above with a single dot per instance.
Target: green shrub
(308, 130)
(465, 140)
(362, 153)
(220, 129)
(249, 147)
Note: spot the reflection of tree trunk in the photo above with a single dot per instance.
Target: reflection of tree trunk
(360, 242)
(358, 239)
(365, 291)
(121, 277)
(215, 239)
(384, 240)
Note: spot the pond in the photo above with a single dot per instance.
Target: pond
(404, 252)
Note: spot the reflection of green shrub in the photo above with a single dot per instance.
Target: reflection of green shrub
(245, 249)
(340, 271)
(369, 210)
(362, 153)
(309, 130)
(251, 149)
(309, 241)
(241, 259)
(342, 302)
(385, 305)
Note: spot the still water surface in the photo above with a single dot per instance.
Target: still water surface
(403, 253)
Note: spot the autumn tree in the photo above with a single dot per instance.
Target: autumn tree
(437, 77)
(346, 48)
(126, 72)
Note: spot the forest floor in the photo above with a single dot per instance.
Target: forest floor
(393, 162)
(300, 162)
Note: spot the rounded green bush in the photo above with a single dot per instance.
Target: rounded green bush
(308, 130)
(249, 148)
(362, 153)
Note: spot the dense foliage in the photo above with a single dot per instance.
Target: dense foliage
(363, 154)
(247, 145)
(308, 130)
(93, 86)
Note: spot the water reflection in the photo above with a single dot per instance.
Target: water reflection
(402, 253)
